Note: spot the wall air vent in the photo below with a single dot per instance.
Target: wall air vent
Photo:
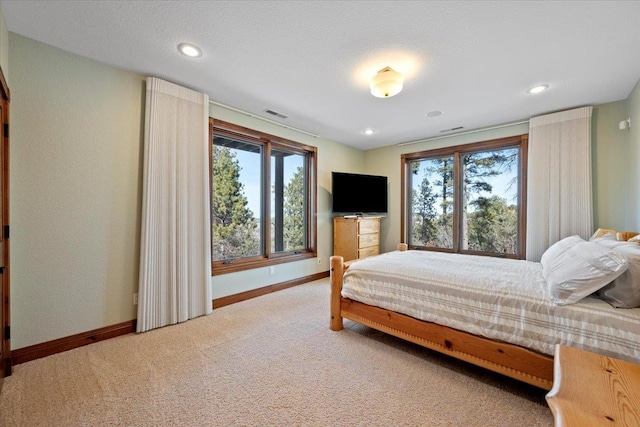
(275, 113)
(452, 129)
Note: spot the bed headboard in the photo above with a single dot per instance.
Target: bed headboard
(622, 236)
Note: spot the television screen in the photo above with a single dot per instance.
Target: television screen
(355, 194)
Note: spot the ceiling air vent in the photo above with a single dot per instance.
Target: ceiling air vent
(452, 129)
(275, 113)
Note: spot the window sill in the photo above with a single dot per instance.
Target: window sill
(218, 268)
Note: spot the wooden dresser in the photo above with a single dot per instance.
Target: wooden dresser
(356, 238)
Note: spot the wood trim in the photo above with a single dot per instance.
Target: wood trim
(5, 283)
(27, 354)
(524, 165)
(242, 296)
(6, 93)
(267, 257)
(507, 359)
(37, 351)
(242, 264)
(238, 131)
(490, 144)
(457, 213)
(404, 217)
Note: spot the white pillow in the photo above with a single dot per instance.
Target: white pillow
(623, 292)
(559, 247)
(574, 271)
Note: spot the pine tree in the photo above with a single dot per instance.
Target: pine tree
(493, 225)
(294, 212)
(443, 169)
(425, 231)
(234, 228)
(477, 169)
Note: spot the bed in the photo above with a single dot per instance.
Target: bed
(481, 318)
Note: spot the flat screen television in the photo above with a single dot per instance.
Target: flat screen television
(357, 194)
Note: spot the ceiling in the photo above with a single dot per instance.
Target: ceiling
(312, 60)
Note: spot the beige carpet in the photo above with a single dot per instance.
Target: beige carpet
(269, 361)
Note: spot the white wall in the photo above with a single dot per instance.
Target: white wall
(332, 156)
(75, 188)
(76, 149)
(4, 46)
(610, 153)
(633, 159)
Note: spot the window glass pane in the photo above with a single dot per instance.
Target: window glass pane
(432, 195)
(288, 202)
(489, 221)
(235, 199)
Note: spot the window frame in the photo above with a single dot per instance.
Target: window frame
(457, 151)
(269, 142)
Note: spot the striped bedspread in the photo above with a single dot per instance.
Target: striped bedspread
(501, 299)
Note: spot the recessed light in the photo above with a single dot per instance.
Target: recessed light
(189, 50)
(369, 131)
(538, 89)
(435, 113)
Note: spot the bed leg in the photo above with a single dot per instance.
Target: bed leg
(337, 271)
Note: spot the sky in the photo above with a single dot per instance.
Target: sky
(499, 183)
(250, 174)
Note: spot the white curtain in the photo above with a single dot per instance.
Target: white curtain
(559, 199)
(175, 253)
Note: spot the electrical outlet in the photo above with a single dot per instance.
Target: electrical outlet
(272, 271)
(319, 260)
(135, 298)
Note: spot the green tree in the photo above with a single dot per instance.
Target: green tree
(234, 228)
(477, 168)
(293, 205)
(493, 225)
(425, 230)
(442, 168)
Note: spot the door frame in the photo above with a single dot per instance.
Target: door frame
(5, 334)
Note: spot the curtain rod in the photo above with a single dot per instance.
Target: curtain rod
(262, 118)
(462, 133)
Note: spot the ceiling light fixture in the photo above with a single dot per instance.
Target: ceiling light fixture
(386, 83)
(538, 89)
(368, 131)
(189, 50)
(432, 114)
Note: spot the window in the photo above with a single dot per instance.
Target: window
(263, 199)
(467, 198)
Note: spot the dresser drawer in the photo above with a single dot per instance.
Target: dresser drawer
(368, 226)
(356, 238)
(366, 252)
(366, 240)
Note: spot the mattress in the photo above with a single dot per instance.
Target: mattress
(497, 298)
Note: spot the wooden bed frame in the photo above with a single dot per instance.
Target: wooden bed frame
(507, 359)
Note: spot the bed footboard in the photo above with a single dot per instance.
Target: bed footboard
(507, 359)
(338, 266)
